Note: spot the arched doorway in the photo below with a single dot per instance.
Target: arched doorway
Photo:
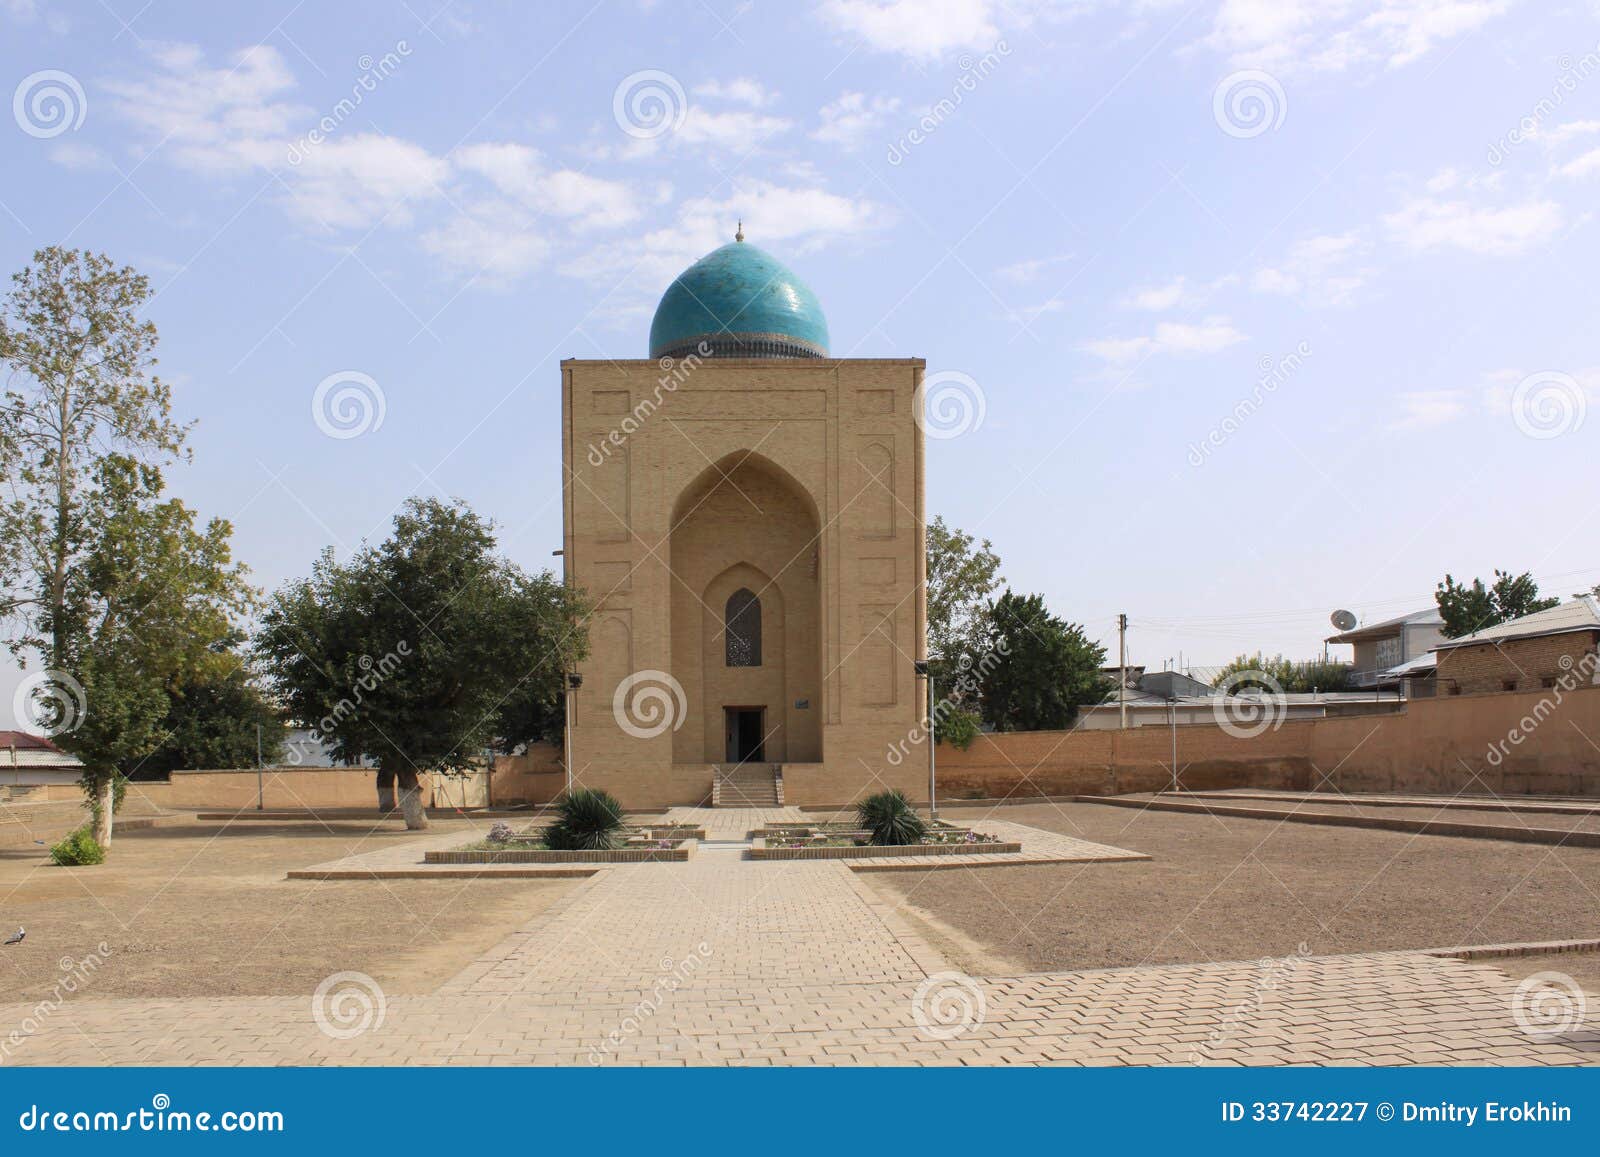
(746, 616)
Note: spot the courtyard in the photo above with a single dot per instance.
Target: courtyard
(1237, 941)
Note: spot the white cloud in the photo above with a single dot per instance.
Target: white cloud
(1030, 269)
(496, 242)
(1585, 166)
(1561, 134)
(1424, 409)
(1208, 337)
(215, 121)
(77, 155)
(226, 122)
(1332, 35)
(921, 29)
(735, 130)
(357, 181)
(1500, 385)
(742, 90)
(1119, 349)
(1212, 335)
(1160, 297)
(518, 171)
(794, 219)
(1428, 223)
(849, 121)
(1319, 269)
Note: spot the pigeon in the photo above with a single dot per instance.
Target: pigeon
(16, 938)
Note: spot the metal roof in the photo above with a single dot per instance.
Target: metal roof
(1428, 617)
(22, 749)
(1579, 614)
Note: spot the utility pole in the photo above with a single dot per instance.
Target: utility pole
(1172, 724)
(571, 684)
(924, 670)
(1122, 664)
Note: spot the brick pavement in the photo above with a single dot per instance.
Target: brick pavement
(726, 961)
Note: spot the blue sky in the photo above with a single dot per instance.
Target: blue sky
(1272, 307)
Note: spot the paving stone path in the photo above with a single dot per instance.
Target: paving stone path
(725, 961)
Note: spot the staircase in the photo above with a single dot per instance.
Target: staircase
(747, 785)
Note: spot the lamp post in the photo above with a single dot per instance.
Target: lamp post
(925, 671)
(573, 682)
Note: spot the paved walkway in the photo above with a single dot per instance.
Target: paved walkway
(723, 960)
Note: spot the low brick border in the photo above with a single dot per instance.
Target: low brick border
(1519, 835)
(760, 851)
(1042, 861)
(1529, 948)
(678, 854)
(445, 871)
(669, 832)
(1510, 804)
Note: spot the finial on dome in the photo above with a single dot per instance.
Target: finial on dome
(739, 236)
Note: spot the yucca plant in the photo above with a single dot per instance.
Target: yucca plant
(890, 818)
(588, 820)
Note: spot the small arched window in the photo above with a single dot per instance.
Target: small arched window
(742, 623)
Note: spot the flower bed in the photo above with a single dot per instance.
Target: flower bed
(845, 841)
(836, 849)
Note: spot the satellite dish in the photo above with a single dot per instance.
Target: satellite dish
(1343, 620)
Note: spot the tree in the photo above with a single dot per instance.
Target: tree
(420, 652)
(1040, 668)
(79, 385)
(211, 721)
(146, 609)
(113, 590)
(1466, 609)
(1289, 676)
(962, 575)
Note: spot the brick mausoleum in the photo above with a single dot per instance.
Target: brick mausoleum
(747, 514)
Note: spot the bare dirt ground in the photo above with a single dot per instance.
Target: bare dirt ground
(202, 909)
(1221, 888)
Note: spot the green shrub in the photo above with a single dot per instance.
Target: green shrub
(890, 818)
(78, 849)
(588, 820)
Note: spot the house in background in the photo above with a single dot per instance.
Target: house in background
(1381, 647)
(1543, 650)
(31, 761)
(1164, 698)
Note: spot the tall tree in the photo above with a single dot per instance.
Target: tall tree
(146, 609)
(1466, 609)
(1040, 669)
(107, 585)
(422, 651)
(963, 575)
(80, 384)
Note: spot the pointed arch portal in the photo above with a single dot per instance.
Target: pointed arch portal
(746, 615)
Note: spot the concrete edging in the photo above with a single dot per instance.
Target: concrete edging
(679, 854)
(760, 851)
(1521, 835)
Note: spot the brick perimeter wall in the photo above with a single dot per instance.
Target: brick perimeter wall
(1445, 745)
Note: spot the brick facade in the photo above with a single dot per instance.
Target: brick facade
(798, 480)
(1518, 664)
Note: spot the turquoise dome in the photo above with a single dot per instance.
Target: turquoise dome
(739, 302)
